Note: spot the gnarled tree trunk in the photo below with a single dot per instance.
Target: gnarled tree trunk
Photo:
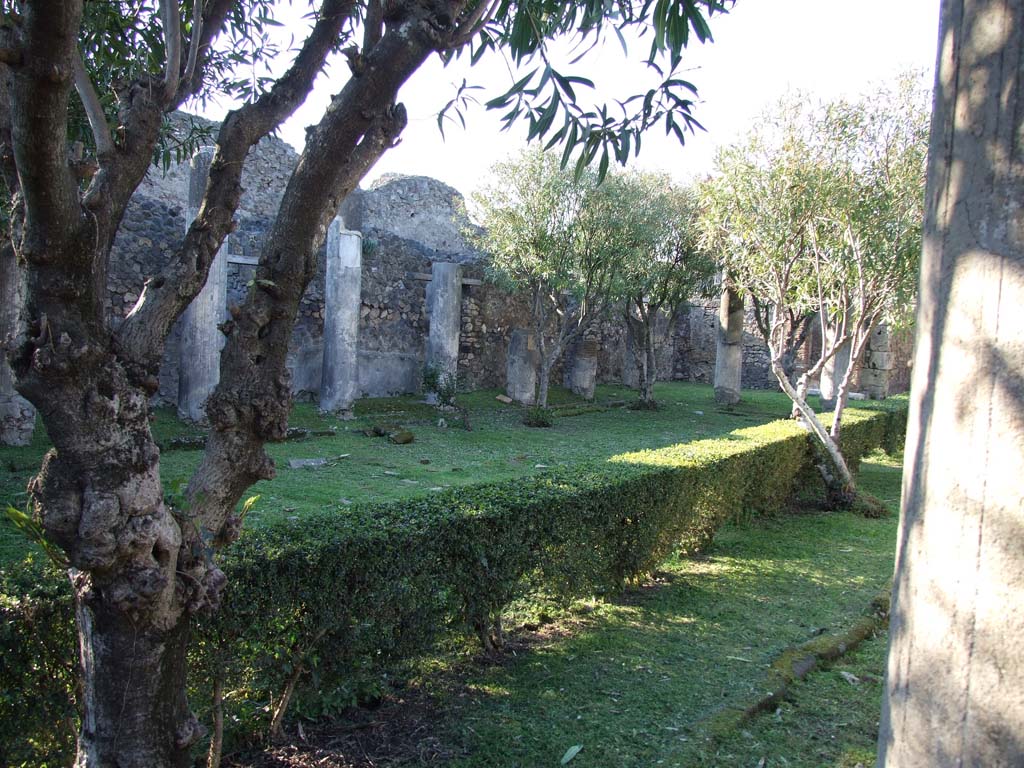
(141, 569)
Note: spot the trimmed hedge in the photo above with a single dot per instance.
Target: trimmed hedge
(333, 599)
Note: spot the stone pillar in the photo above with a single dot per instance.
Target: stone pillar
(581, 374)
(874, 371)
(630, 370)
(832, 374)
(729, 348)
(521, 371)
(17, 416)
(955, 679)
(445, 304)
(201, 339)
(339, 384)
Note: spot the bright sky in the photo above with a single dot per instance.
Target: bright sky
(762, 48)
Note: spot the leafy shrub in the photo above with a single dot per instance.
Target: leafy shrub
(335, 599)
(537, 417)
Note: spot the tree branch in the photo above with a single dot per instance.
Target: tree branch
(165, 297)
(473, 23)
(194, 43)
(40, 94)
(373, 26)
(93, 109)
(250, 405)
(170, 17)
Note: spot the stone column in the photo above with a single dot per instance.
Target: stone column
(874, 371)
(581, 374)
(201, 339)
(832, 374)
(445, 317)
(955, 679)
(729, 348)
(17, 416)
(339, 384)
(521, 370)
(630, 371)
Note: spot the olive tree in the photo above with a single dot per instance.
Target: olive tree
(664, 263)
(817, 213)
(108, 74)
(552, 235)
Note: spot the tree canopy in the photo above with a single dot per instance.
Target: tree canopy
(818, 213)
(664, 261)
(555, 236)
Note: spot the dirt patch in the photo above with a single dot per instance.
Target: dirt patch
(400, 732)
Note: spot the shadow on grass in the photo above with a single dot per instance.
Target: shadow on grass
(628, 678)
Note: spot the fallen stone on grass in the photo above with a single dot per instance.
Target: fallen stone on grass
(305, 463)
(185, 443)
(402, 437)
(504, 399)
(314, 463)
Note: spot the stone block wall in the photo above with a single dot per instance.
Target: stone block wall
(407, 223)
(489, 316)
(694, 358)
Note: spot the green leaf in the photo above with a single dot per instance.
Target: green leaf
(570, 753)
(602, 169)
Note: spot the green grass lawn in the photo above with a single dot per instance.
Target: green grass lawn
(632, 679)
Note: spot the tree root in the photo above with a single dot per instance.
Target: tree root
(795, 664)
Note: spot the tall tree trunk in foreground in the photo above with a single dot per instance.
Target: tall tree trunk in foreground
(729, 348)
(141, 569)
(955, 680)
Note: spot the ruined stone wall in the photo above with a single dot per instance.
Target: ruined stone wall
(414, 208)
(489, 315)
(407, 223)
(694, 358)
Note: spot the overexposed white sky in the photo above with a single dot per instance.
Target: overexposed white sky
(762, 48)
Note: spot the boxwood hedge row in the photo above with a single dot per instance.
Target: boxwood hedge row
(328, 601)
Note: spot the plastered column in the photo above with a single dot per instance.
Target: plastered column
(445, 317)
(581, 373)
(521, 371)
(729, 348)
(955, 677)
(201, 339)
(339, 385)
(832, 374)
